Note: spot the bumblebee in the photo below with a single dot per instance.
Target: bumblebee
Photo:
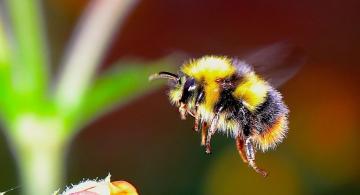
(226, 95)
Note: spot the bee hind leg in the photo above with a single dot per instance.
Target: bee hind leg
(240, 147)
(250, 155)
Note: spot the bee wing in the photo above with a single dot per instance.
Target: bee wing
(276, 63)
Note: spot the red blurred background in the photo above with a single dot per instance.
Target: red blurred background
(147, 144)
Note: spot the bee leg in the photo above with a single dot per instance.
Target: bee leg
(198, 99)
(200, 125)
(183, 111)
(250, 155)
(240, 148)
(203, 133)
(197, 121)
(191, 113)
(211, 132)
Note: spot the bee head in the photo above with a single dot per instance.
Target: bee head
(181, 87)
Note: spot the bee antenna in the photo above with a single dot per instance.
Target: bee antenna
(164, 75)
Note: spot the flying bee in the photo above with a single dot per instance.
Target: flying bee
(236, 97)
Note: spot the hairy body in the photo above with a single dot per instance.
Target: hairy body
(226, 95)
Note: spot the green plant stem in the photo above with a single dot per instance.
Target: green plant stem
(41, 169)
(39, 149)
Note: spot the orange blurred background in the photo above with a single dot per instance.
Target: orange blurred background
(147, 144)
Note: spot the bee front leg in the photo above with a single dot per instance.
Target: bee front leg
(183, 111)
(250, 155)
(211, 132)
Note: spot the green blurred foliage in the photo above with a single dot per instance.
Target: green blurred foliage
(39, 115)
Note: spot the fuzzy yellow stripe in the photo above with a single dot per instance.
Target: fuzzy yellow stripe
(212, 95)
(252, 90)
(209, 68)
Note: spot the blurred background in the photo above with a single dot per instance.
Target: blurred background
(146, 143)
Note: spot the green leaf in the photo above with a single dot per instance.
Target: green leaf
(124, 82)
(87, 48)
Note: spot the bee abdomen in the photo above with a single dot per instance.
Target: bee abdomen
(272, 135)
(271, 123)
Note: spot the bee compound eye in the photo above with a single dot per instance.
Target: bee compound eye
(192, 88)
(189, 84)
(189, 87)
